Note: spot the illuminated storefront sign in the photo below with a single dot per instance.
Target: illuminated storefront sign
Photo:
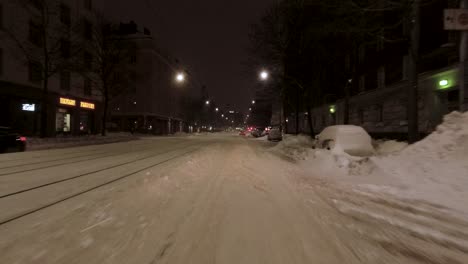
(29, 107)
(66, 101)
(87, 105)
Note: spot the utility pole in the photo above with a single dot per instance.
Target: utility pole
(462, 84)
(414, 36)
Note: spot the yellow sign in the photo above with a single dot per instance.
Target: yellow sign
(86, 105)
(66, 101)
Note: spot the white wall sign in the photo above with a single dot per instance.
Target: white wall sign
(456, 19)
(29, 107)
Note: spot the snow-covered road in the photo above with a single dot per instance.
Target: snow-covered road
(205, 199)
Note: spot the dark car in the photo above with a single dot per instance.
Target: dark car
(11, 141)
(258, 132)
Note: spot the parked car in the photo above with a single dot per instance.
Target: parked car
(242, 133)
(11, 141)
(275, 134)
(353, 140)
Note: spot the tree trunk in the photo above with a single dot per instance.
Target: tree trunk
(346, 104)
(414, 20)
(104, 113)
(44, 107)
(309, 120)
(297, 110)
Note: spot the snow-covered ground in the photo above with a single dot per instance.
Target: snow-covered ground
(214, 198)
(434, 170)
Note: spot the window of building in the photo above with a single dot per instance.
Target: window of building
(35, 72)
(36, 3)
(380, 113)
(87, 88)
(87, 30)
(88, 60)
(65, 81)
(133, 58)
(35, 35)
(65, 48)
(88, 4)
(1, 61)
(133, 78)
(1, 16)
(65, 14)
(361, 115)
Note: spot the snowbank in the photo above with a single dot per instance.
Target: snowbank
(294, 147)
(383, 147)
(435, 168)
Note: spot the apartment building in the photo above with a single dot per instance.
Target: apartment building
(39, 39)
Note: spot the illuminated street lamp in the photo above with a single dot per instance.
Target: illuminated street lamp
(217, 109)
(222, 115)
(250, 109)
(253, 101)
(207, 102)
(264, 75)
(180, 77)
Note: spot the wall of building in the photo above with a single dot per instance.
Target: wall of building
(154, 102)
(17, 88)
(382, 112)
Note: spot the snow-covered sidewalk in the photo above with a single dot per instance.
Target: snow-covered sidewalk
(34, 143)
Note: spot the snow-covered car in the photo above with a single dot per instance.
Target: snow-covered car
(275, 134)
(353, 140)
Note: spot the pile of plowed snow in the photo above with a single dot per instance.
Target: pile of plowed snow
(434, 169)
(294, 147)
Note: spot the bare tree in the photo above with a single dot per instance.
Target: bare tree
(43, 37)
(106, 63)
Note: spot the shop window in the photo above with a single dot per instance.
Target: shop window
(35, 36)
(65, 14)
(65, 81)
(35, 72)
(87, 87)
(63, 121)
(84, 123)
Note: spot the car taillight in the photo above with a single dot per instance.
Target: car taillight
(22, 139)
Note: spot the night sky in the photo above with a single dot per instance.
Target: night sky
(209, 36)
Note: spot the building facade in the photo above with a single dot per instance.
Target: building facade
(380, 82)
(155, 101)
(72, 104)
(383, 112)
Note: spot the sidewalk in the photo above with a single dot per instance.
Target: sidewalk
(35, 143)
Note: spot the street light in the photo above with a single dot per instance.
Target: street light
(222, 115)
(217, 109)
(253, 101)
(207, 102)
(180, 77)
(250, 109)
(264, 75)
